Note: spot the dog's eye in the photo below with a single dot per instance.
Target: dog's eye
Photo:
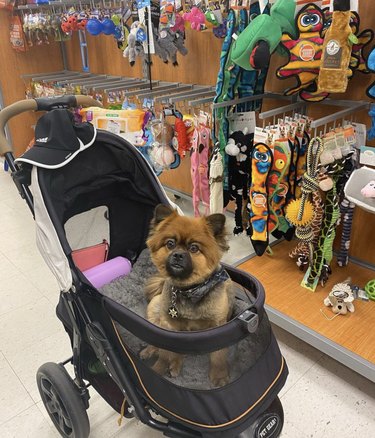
(171, 244)
(193, 248)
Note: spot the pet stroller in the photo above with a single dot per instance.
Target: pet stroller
(79, 170)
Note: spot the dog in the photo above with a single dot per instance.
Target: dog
(191, 290)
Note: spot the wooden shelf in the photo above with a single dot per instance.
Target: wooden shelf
(349, 338)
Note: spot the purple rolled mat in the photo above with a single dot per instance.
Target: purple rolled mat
(108, 271)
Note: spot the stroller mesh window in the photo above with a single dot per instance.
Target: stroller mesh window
(88, 228)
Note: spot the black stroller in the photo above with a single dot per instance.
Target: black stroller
(108, 171)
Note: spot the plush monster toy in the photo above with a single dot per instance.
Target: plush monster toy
(254, 46)
(305, 54)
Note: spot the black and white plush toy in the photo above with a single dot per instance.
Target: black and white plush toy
(238, 150)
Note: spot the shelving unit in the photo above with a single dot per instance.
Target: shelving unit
(349, 339)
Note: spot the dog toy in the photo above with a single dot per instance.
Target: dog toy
(305, 53)
(371, 66)
(337, 49)
(252, 49)
(179, 24)
(181, 137)
(368, 190)
(221, 30)
(261, 164)
(370, 289)
(134, 48)
(196, 18)
(341, 298)
(216, 182)
(239, 151)
(199, 152)
(300, 212)
(169, 43)
(358, 59)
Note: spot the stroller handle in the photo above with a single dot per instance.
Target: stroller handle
(40, 104)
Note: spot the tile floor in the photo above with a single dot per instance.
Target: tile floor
(322, 398)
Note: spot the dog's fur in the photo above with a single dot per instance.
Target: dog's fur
(199, 244)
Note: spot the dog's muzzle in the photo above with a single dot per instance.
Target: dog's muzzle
(179, 264)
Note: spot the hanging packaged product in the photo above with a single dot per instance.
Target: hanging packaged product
(17, 37)
(337, 49)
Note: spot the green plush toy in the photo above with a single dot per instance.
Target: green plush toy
(253, 48)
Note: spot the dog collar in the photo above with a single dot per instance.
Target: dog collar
(198, 292)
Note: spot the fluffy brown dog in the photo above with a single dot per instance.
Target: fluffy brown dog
(191, 291)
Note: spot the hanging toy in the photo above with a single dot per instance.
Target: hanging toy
(108, 26)
(261, 163)
(221, 30)
(196, 18)
(358, 59)
(94, 27)
(179, 24)
(341, 298)
(181, 137)
(134, 48)
(371, 89)
(239, 151)
(252, 49)
(305, 53)
(337, 49)
(199, 152)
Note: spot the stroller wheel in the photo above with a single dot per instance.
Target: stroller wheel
(62, 400)
(269, 424)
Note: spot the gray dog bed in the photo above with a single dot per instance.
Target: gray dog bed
(129, 292)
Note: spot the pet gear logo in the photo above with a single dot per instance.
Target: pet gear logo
(42, 140)
(269, 427)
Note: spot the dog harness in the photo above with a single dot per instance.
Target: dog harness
(198, 292)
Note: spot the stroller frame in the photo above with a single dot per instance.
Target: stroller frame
(84, 329)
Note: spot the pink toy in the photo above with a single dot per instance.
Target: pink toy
(200, 143)
(196, 18)
(108, 271)
(368, 191)
(179, 25)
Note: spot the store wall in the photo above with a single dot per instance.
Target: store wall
(12, 65)
(200, 66)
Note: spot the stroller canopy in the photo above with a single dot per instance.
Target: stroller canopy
(111, 173)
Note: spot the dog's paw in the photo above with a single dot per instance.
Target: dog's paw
(219, 378)
(148, 352)
(175, 368)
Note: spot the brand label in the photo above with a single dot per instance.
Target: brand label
(42, 140)
(268, 427)
(307, 52)
(333, 55)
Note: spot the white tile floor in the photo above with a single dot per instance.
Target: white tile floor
(322, 399)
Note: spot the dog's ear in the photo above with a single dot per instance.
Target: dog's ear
(216, 222)
(162, 211)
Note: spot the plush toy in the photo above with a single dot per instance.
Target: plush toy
(341, 298)
(196, 18)
(337, 49)
(358, 59)
(179, 24)
(239, 151)
(134, 47)
(253, 47)
(170, 43)
(371, 66)
(305, 53)
(368, 190)
(261, 164)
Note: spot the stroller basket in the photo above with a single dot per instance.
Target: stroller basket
(108, 332)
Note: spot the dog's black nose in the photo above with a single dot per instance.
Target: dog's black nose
(178, 256)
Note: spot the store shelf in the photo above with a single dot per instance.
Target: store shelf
(349, 339)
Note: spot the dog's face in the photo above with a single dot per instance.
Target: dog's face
(186, 250)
